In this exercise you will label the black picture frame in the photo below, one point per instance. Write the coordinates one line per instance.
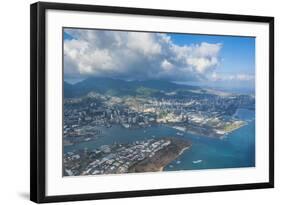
(38, 100)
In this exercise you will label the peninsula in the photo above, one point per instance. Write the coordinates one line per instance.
(162, 157)
(140, 156)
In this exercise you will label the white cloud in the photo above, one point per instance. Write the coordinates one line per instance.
(207, 49)
(166, 65)
(137, 55)
(89, 60)
(145, 43)
(231, 77)
(245, 77)
(202, 64)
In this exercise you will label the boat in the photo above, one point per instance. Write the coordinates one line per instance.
(197, 161)
(179, 133)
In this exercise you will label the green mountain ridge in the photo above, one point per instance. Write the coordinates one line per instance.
(117, 87)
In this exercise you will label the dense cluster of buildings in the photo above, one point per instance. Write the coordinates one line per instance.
(83, 116)
(112, 159)
(210, 115)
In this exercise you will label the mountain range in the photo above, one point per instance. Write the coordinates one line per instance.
(119, 87)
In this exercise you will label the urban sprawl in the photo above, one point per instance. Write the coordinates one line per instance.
(204, 113)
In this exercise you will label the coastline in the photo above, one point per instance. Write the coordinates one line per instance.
(163, 157)
(213, 133)
(181, 152)
(198, 147)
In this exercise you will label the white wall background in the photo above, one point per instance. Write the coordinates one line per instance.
(14, 100)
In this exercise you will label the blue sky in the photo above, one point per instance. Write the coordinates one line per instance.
(238, 53)
(226, 61)
(66, 36)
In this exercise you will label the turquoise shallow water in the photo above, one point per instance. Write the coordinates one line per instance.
(237, 149)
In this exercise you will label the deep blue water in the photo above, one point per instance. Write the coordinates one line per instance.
(237, 149)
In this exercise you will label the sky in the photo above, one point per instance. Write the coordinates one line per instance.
(210, 60)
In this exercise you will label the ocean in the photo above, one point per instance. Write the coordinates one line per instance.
(235, 150)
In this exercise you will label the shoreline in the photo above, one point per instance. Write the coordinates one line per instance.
(181, 152)
(213, 135)
(162, 158)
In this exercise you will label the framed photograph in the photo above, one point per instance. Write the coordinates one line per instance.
(129, 102)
